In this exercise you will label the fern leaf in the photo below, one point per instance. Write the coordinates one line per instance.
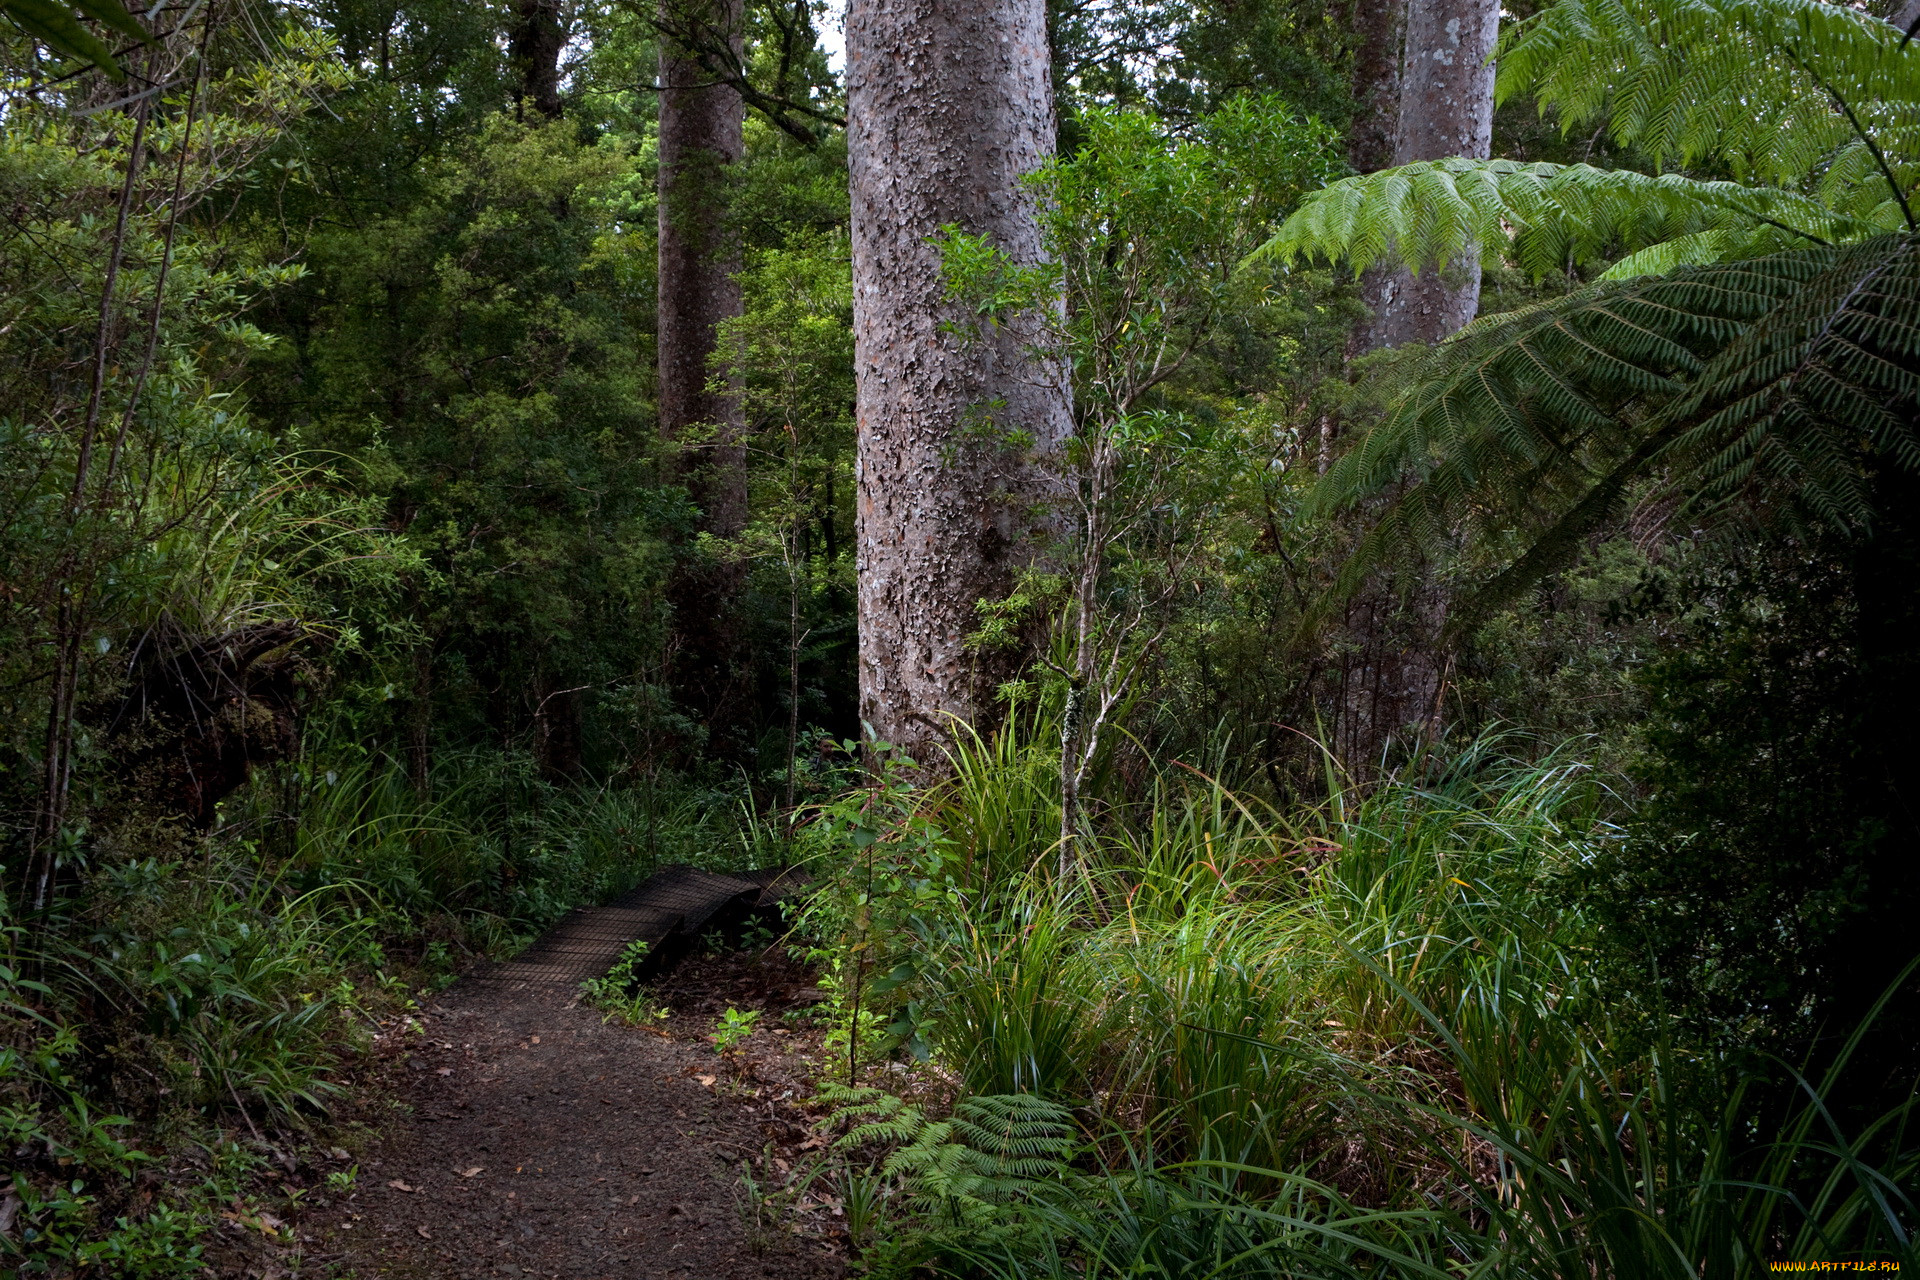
(1549, 217)
(1764, 87)
(1788, 379)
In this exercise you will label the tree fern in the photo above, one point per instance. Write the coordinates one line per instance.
(1549, 217)
(1756, 338)
(1790, 93)
(1814, 109)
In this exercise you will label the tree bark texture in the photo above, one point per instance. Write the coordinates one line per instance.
(1446, 109)
(1390, 674)
(701, 125)
(700, 139)
(950, 106)
(533, 50)
(1380, 26)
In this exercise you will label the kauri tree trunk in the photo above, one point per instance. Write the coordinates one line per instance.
(1392, 671)
(950, 105)
(1446, 109)
(1380, 26)
(700, 139)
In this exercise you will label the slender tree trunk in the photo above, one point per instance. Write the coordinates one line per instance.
(700, 140)
(950, 106)
(420, 722)
(1446, 109)
(557, 730)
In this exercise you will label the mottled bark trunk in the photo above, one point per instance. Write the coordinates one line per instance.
(533, 50)
(1446, 109)
(557, 729)
(420, 722)
(700, 139)
(1380, 26)
(950, 105)
(1392, 675)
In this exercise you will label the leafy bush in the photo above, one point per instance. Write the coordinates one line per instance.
(1773, 867)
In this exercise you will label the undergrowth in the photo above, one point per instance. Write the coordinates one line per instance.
(177, 1022)
(1364, 1037)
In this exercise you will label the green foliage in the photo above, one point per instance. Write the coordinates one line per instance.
(968, 1175)
(1552, 218)
(617, 994)
(1782, 379)
(1806, 105)
(1365, 1040)
(1762, 886)
(58, 27)
(733, 1029)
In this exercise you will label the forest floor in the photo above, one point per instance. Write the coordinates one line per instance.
(528, 1135)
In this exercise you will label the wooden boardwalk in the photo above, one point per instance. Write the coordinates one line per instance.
(668, 912)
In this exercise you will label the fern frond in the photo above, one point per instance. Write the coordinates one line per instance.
(1548, 217)
(965, 1171)
(1805, 400)
(1789, 379)
(1026, 1136)
(884, 1118)
(1776, 90)
(1542, 418)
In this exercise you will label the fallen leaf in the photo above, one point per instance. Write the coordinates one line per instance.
(444, 1071)
(477, 1169)
(424, 1233)
(535, 1040)
(398, 1185)
(815, 1141)
(706, 1080)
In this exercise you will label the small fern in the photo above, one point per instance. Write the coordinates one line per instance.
(971, 1171)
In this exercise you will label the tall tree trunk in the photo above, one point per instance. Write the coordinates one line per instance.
(1392, 672)
(533, 50)
(700, 140)
(950, 105)
(1381, 25)
(1446, 109)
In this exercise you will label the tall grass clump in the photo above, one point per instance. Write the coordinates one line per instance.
(1271, 1022)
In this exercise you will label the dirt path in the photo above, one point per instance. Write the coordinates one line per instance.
(546, 1142)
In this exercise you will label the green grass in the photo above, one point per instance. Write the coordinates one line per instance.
(1352, 1038)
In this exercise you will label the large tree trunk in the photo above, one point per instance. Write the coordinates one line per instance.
(1391, 672)
(1446, 109)
(533, 49)
(1380, 25)
(950, 105)
(700, 140)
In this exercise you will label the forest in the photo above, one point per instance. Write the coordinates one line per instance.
(1309, 604)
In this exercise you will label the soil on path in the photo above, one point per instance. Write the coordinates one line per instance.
(544, 1141)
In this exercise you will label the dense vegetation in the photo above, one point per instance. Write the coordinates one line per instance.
(360, 614)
